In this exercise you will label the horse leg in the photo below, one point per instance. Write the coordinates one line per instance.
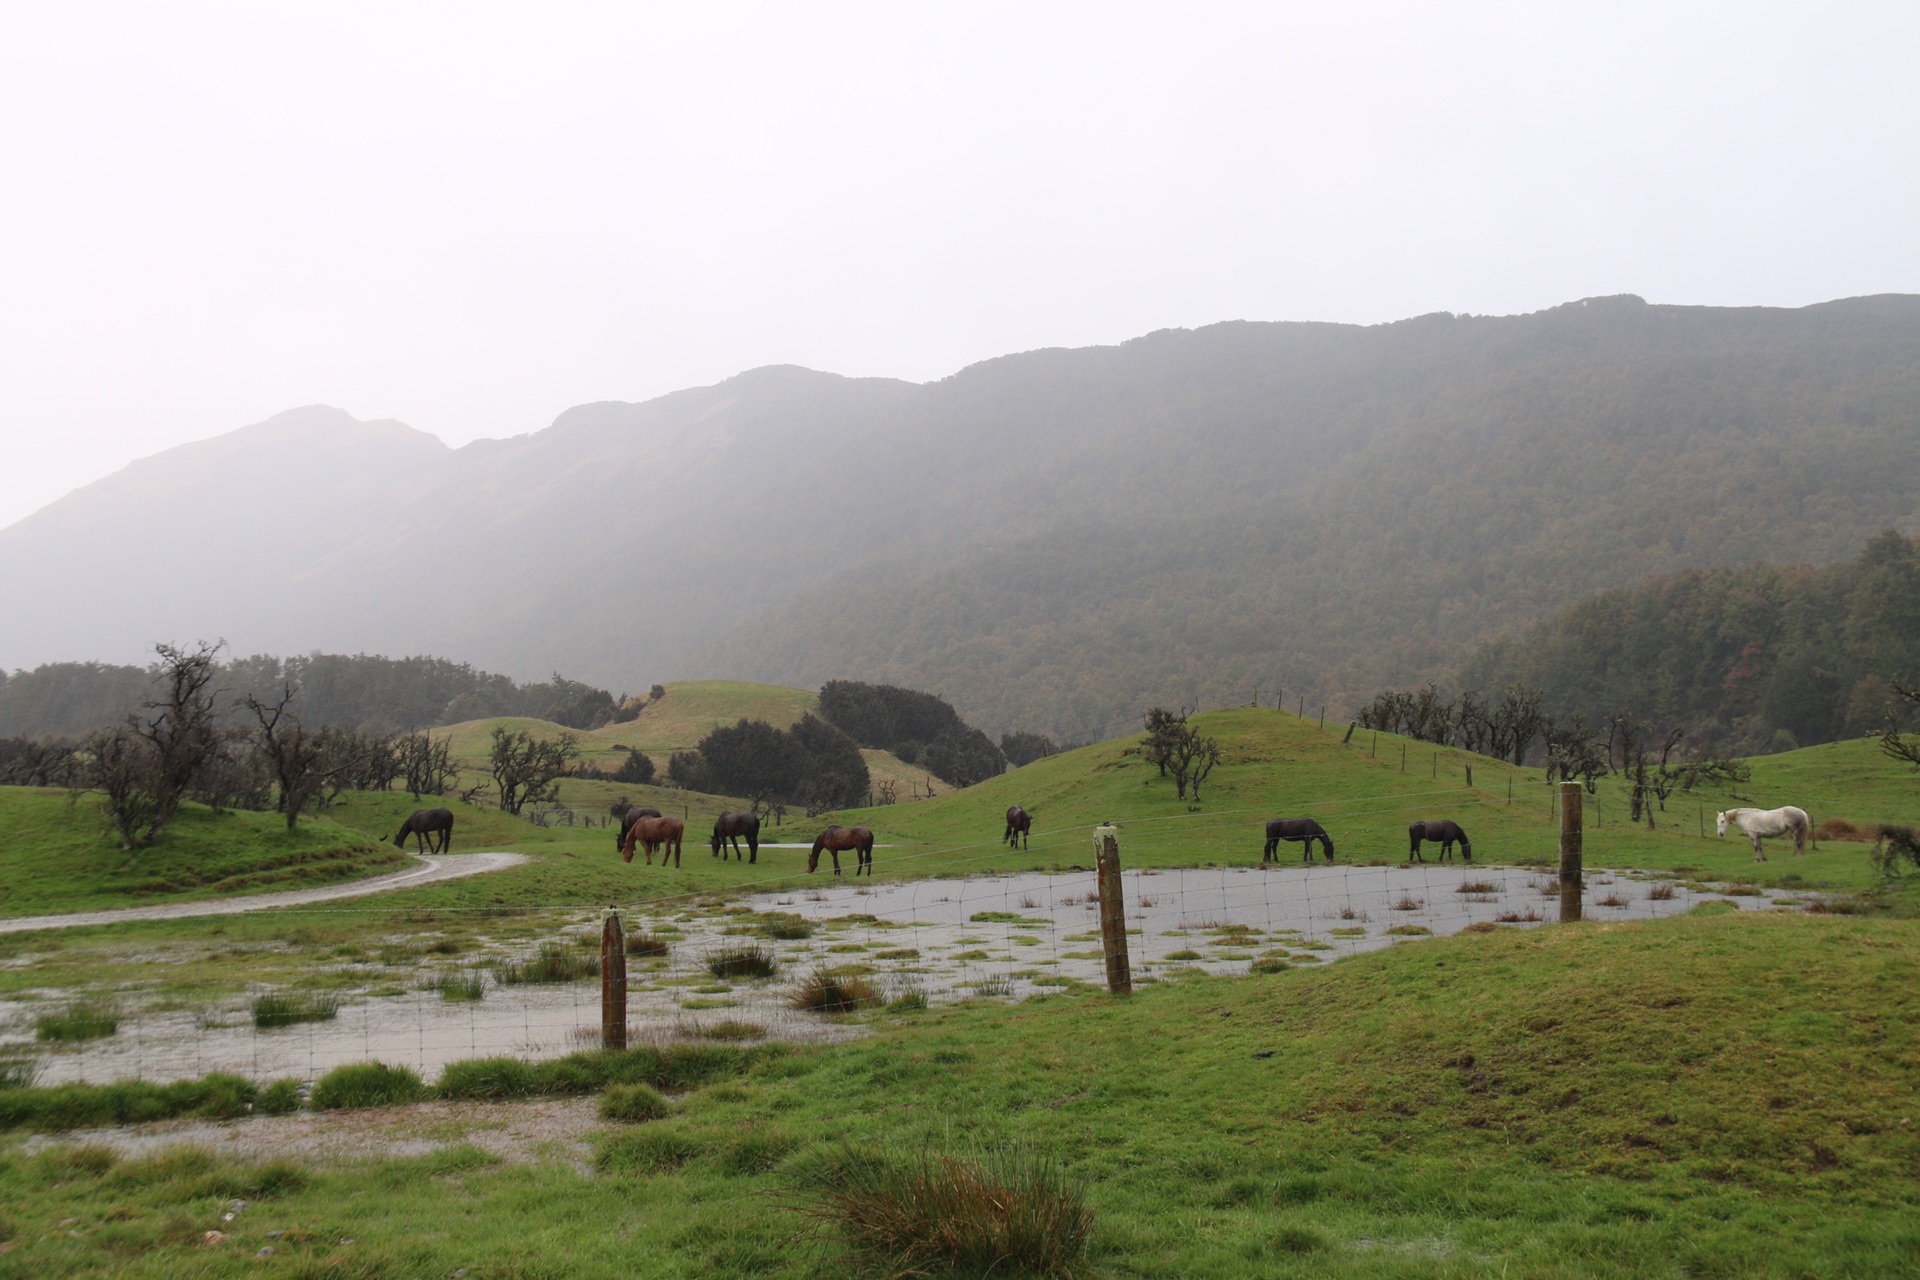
(836, 860)
(753, 849)
(1759, 854)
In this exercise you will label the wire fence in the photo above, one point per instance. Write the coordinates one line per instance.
(424, 987)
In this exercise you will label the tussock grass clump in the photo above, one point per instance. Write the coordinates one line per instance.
(79, 1020)
(18, 1075)
(1662, 892)
(279, 1010)
(675, 1066)
(1612, 900)
(366, 1084)
(1529, 916)
(1407, 902)
(218, 1096)
(489, 1078)
(1268, 964)
(1409, 930)
(1477, 886)
(1482, 926)
(1841, 829)
(280, 1098)
(555, 962)
(753, 961)
(642, 943)
(784, 926)
(632, 1103)
(912, 999)
(823, 992)
(1008, 1212)
(462, 986)
(647, 1150)
(1184, 953)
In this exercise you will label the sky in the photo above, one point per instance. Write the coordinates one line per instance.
(471, 216)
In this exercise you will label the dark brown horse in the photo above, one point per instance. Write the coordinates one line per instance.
(630, 816)
(1019, 824)
(837, 840)
(651, 832)
(729, 827)
(1447, 832)
(1304, 830)
(431, 829)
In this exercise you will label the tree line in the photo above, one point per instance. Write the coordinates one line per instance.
(922, 729)
(362, 691)
(1760, 658)
(192, 739)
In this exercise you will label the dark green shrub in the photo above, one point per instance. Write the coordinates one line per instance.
(366, 1084)
(632, 1103)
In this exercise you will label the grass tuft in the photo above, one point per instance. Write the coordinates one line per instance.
(1660, 893)
(632, 1103)
(642, 943)
(1477, 886)
(80, 1020)
(784, 926)
(461, 986)
(822, 992)
(752, 961)
(278, 1010)
(1009, 1212)
(553, 963)
(366, 1084)
(18, 1074)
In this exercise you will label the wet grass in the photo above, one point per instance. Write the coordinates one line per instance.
(284, 1010)
(78, 1020)
(826, 992)
(554, 962)
(753, 961)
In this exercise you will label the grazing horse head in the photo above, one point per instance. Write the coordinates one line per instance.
(1720, 821)
(813, 858)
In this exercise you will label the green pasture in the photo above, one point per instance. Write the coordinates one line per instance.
(676, 722)
(57, 854)
(1721, 1094)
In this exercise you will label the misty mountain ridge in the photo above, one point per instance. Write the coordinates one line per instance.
(1051, 540)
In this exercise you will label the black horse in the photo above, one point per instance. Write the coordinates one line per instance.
(431, 829)
(1304, 830)
(1019, 826)
(1447, 832)
(630, 817)
(729, 827)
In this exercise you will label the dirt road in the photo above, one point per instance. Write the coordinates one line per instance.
(431, 869)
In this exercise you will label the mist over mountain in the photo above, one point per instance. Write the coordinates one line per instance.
(1050, 540)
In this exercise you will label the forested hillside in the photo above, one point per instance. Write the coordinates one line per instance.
(1756, 658)
(1051, 541)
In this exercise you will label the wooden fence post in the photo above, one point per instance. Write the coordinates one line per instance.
(1571, 880)
(613, 982)
(1113, 909)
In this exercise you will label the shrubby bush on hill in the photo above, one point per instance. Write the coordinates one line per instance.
(812, 764)
(920, 728)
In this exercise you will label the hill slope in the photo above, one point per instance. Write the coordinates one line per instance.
(1050, 540)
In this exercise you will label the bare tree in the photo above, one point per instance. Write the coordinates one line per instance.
(180, 725)
(427, 764)
(1191, 760)
(1573, 752)
(304, 765)
(1902, 746)
(526, 769)
(119, 764)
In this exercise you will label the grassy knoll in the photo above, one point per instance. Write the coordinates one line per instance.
(1854, 780)
(60, 857)
(1715, 1095)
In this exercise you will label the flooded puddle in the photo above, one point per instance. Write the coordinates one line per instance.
(1005, 937)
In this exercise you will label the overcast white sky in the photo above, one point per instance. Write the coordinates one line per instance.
(471, 216)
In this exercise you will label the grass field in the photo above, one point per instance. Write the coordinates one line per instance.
(1719, 1094)
(59, 856)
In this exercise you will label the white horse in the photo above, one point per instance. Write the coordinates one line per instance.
(1756, 824)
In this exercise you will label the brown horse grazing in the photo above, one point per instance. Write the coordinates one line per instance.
(631, 816)
(431, 829)
(729, 827)
(836, 840)
(1447, 832)
(1305, 830)
(649, 832)
(1019, 825)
